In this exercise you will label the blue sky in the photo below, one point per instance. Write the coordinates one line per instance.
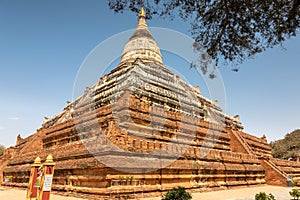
(43, 44)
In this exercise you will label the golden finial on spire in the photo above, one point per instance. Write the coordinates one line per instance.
(142, 20)
(142, 13)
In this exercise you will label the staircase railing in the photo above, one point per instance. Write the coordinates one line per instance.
(274, 166)
(243, 142)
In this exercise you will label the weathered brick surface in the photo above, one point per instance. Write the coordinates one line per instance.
(79, 142)
(77, 170)
(288, 167)
(259, 146)
(273, 176)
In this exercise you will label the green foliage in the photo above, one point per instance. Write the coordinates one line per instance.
(295, 193)
(129, 178)
(177, 194)
(2, 148)
(229, 30)
(264, 196)
(287, 147)
(295, 182)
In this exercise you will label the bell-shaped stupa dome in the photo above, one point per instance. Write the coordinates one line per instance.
(141, 44)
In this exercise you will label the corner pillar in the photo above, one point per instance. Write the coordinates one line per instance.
(46, 181)
(31, 190)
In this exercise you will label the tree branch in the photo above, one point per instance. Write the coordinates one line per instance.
(224, 24)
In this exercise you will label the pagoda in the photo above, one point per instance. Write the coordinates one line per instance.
(141, 130)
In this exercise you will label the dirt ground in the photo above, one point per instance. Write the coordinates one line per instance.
(280, 193)
(17, 194)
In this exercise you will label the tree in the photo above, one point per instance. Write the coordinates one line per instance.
(230, 30)
(288, 147)
(2, 148)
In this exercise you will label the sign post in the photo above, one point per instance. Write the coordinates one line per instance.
(46, 181)
(32, 191)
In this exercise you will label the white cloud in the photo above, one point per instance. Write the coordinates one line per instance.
(1, 128)
(14, 118)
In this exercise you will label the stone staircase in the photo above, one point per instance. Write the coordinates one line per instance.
(239, 144)
(274, 175)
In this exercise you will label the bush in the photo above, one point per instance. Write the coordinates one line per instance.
(295, 193)
(295, 182)
(264, 196)
(177, 194)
